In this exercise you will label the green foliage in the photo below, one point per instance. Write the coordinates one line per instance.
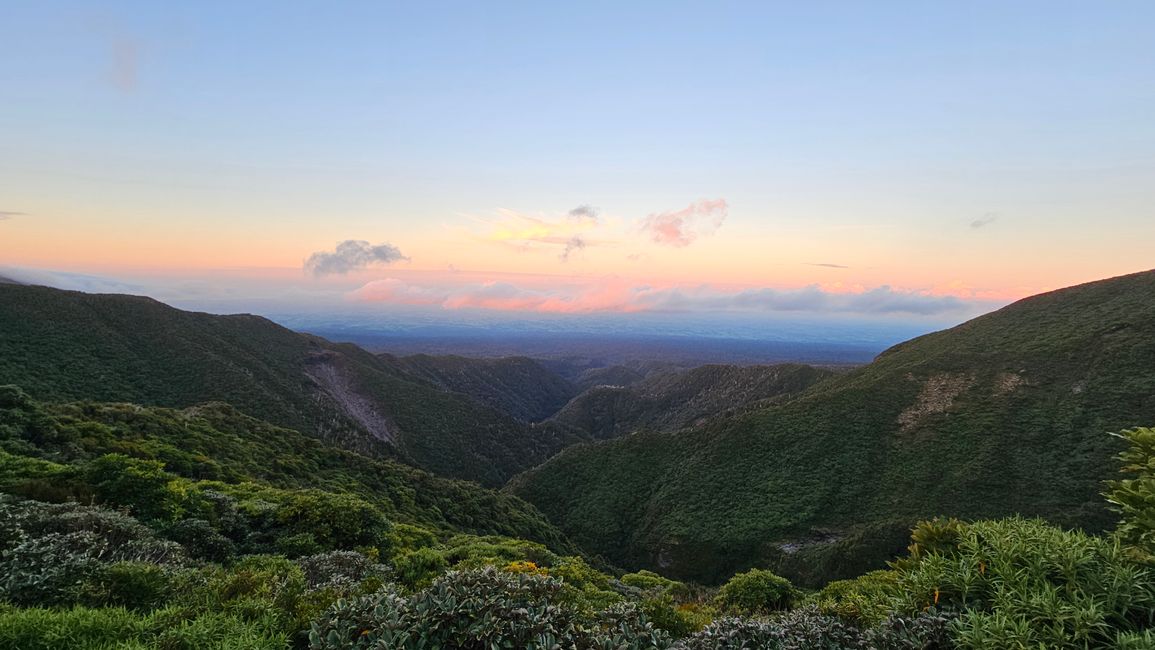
(132, 585)
(866, 600)
(418, 568)
(63, 345)
(677, 619)
(1134, 497)
(60, 554)
(797, 629)
(82, 628)
(57, 452)
(648, 581)
(480, 609)
(1022, 583)
(141, 485)
(1000, 415)
(756, 591)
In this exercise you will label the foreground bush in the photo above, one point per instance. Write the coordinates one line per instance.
(480, 609)
(756, 592)
(81, 628)
(1023, 583)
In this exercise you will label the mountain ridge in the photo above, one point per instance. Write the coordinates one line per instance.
(1004, 414)
(64, 345)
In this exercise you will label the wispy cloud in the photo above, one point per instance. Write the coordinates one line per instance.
(828, 265)
(621, 297)
(986, 220)
(351, 255)
(567, 234)
(682, 227)
(7, 214)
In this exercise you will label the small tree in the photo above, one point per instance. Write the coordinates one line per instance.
(757, 591)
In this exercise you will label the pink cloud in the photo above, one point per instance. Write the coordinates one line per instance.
(613, 295)
(681, 227)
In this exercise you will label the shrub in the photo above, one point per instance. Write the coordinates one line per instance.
(1023, 583)
(201, 540)
(420, 567)
(340, 570)
(79, 628)
(800, 629)
(479, 609)
(1134, 497)
(678, 620)
(648, 581)
(141, 485)
(132, 585)
(866, 600)
(217, 630)
(756, 591)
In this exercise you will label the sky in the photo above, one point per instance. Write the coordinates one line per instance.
(906, 162)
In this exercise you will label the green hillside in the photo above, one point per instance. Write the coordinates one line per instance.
(674, 400)
(216, 443)
(65, 345)
(517, 386)
(1004, 414)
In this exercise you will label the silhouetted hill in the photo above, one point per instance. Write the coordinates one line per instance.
(1006, 413)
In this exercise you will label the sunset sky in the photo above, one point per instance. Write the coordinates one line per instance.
(905, 160)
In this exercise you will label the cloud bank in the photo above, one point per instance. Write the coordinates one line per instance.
(615, 296)
(351, 255)
(682, 227)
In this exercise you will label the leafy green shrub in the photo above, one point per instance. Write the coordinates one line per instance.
(866, 600)
(141, 485)
(341, 570)
(648, 581)
(201, 540)
(480, 609)
(79, 628)
(469, 551)
(1134, 498)
(755, 591)
(418, 568)
(928, 630)
(406, 537)
(1023, 583)
(174, 631)
(798, 629)
(297, 545)
(53, 551)
(678, 620)
(132, 585)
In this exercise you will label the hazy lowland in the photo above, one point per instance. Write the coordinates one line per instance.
(184, 480)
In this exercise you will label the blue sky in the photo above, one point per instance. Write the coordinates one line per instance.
(986, 150)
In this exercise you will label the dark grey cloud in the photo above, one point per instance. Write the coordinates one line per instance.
(352, 255)
(987, 219)
(7, 214)
(574, 243)
(584, 212)
(828, 265)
